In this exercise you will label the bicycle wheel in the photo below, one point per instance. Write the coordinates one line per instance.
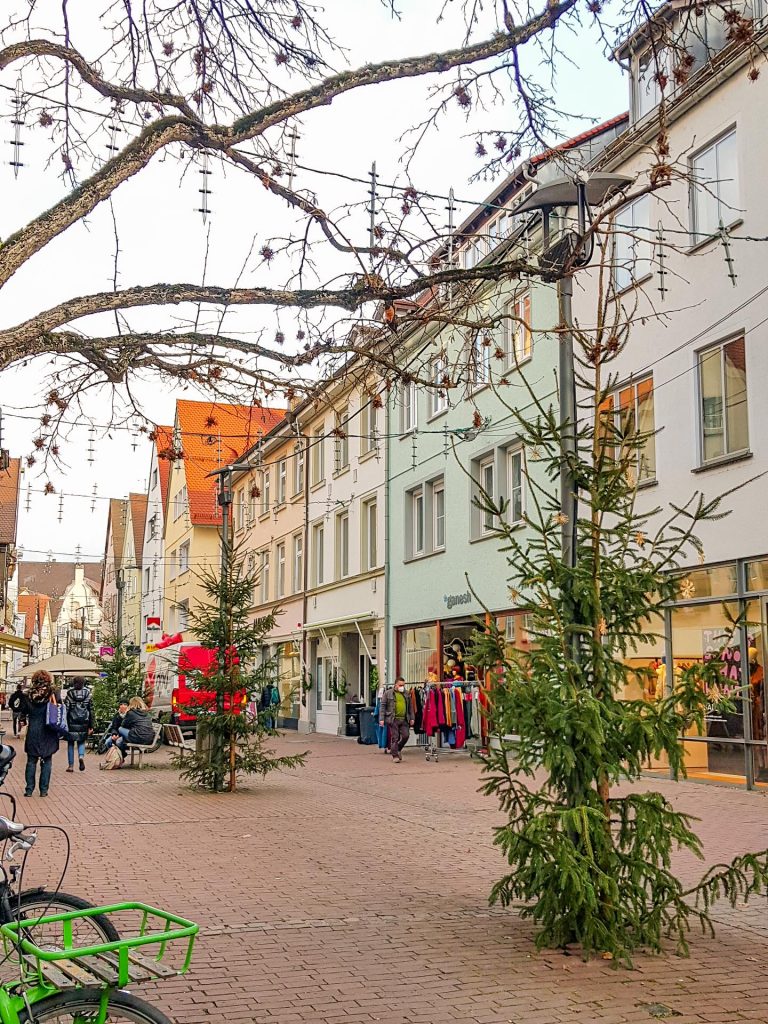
(86, 931)
(82, 1005)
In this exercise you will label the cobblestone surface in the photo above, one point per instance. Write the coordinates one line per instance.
(354, 890)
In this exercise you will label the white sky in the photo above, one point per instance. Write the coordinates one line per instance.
(162, 239)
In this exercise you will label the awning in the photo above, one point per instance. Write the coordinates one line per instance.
(345, 620)
(16, 643)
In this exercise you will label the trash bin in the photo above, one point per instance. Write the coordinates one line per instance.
(367, 726)
(352, 717)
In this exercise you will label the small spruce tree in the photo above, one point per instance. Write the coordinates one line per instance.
(590, 864)
(231, 736)
(123, 678)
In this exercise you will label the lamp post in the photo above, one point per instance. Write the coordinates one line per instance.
(559, 261)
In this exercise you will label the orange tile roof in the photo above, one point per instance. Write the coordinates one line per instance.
(163, 439)
(139, 521)
(32, 607)
(212, 436)
(9, 501)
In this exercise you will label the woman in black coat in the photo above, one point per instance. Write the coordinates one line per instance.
(79, 705)
(41, 742)
(137, 726)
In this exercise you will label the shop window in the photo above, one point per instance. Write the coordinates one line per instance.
(713, 581)
(518, 342)
(757, 574)
(630, 411)
(417, 657)
(714, 188)
(632, 244)
(723, 409)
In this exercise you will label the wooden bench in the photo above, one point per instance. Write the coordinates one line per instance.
(144, 748)
(175, 738)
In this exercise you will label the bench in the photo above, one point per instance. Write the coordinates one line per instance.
(175, 738)
(144, 748)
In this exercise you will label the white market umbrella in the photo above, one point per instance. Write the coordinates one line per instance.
(62, 665)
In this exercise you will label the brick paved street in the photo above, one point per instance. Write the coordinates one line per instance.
(356, 891)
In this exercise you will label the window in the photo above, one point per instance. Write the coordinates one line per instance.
(253, 493)
(298, 563)
(341, 441)
(438, 514)
(147, 580)
(154, 479)
(282, 481)
(518, 343)
(318, 456)
(480, 358)
(438, 395)
(298, 469)
(342, 545)
(265, 581)
(714, 188)
(318, 554)
(280, 570)
(647, 93)
(417, 521)
(172, 565)
(515, 475)
(184, 557)
(240, 508)
(370, 534)
(182, 615)
(486, 491)
(152, 527)
(180, 502)
(368, 442)
(631, 409)
(723, 387)
(266, 491)
(408, 408)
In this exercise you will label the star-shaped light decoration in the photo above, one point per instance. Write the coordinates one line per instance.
(602, 627)
(514, 594)
(561, 518)
(702, 558)
(687, 589)
(640, 539)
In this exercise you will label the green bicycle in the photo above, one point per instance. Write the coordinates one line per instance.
(78, 981)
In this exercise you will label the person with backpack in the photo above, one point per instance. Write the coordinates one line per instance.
(79, 705)
(41, 742)
(17, 699)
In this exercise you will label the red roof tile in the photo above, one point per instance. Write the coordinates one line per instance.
(9, 502)
(32, 607)
(163, 440)
(139, 521)
(212, 436)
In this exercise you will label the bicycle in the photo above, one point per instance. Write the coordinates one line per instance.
(85, 984)
(35, 902)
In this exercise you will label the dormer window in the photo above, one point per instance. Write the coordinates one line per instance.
(649, 67)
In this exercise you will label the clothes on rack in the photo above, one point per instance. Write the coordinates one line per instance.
(452, 711)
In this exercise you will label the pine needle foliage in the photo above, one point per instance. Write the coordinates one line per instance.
(123, 678)
(590, 865)
(231, 741)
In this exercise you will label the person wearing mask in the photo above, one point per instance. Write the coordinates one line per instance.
(41, 742)
(79, 705)
(136, 728)
(395, 714)
(117, 721)
(15, 704)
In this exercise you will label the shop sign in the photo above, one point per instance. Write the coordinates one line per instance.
(451, 600)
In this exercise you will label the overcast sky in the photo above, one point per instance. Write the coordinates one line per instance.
(163, 239)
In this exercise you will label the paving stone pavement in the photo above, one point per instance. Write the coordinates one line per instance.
(355, 890)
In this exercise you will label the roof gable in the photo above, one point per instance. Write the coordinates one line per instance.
(9, 501)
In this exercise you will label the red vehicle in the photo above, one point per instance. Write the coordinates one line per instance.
(193, 658)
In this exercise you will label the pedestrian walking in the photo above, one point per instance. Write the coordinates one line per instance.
(79, 705)
(15, 704)
(395, 714)
(41, 742)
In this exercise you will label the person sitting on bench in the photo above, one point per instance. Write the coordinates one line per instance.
(137, 729)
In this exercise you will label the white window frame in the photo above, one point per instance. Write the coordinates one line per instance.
(282, 481)
(280, 560)
(298, 469)
(438, 520)
(515, 467)
(318, 554)
(480, 358)
(298, 563)
(418, 522)
(438, 394)
(240, 507)
(518, 339)
(184, 550)
(631, 237)
(172, 564)
(370, 526)
(408, 408)
(266, 491)
(487, 519)
(728, 212)
(728, 452)
(341, 444)
(342, 546)
(264, 580)
(318, 456)
(368, 417)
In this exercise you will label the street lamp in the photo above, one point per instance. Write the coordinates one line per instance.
(558, 262)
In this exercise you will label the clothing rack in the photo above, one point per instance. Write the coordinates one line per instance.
(440, 715)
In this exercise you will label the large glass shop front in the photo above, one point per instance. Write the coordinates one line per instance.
(721, 612)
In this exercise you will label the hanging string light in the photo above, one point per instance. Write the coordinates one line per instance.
(17, 120)
(93, 499)
(91, 444)
(205, 172)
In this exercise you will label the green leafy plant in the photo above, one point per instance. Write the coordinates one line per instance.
(589, 864)
(231, 735)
